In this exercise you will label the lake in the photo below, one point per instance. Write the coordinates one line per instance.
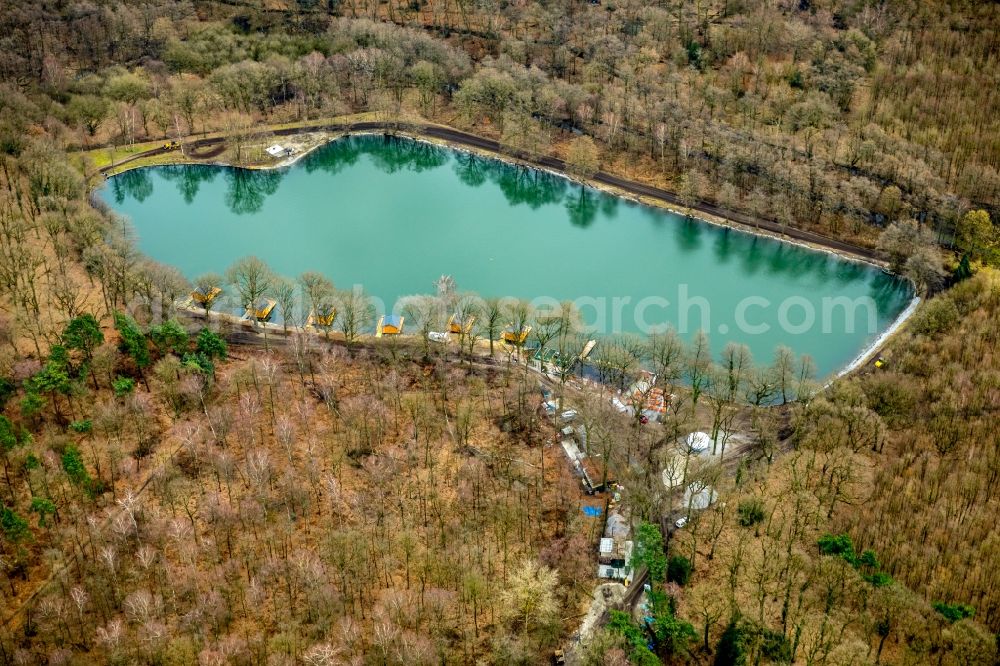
(393, 214)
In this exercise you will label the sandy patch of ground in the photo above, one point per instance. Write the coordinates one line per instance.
(606, 596)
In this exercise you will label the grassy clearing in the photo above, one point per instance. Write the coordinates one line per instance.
(174, 157)
(105, 156)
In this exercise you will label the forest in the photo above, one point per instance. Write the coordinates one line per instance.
(180, 489)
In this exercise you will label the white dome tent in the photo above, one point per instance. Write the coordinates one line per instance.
(673, 476)
(699, 442)
(699, 496)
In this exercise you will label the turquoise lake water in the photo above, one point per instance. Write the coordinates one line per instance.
(393, 214)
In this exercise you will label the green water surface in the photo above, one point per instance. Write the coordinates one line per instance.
(394, 214)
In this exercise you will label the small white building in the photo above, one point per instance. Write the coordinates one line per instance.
(614, 564)
(277, 150)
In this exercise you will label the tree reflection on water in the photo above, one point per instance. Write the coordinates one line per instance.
(248, 188)
(189, 178)
(135, 184)
(582, 207)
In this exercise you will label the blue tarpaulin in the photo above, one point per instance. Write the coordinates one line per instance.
(592, 511)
